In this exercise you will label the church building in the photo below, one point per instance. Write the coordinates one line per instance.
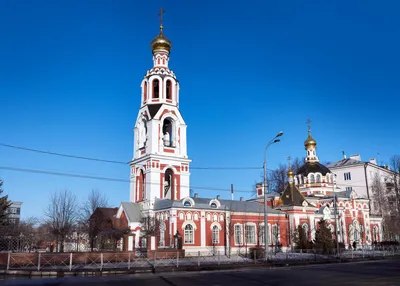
(160, 181)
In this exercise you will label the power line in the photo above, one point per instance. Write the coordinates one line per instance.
(109, 179)
(62, 154)
(114, 161)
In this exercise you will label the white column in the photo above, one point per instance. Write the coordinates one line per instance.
(203, 228)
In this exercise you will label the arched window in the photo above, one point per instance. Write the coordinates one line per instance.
(318, 178)
(167, 133)
(196, 216)
(169, 185)
(162, 234)
(181, 216)
(142, 189)
(215, 217)
(375, 233)
(188, 216)
(156, 88)
(187, 204)
(169, 89)
(189, 239)
(275, 235)
(213, 205)
(215, 234)
(145, 91)
(305, 229)
(312, 179)
(208, 217)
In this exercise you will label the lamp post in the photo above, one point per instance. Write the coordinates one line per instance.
(274, 140)
(336, 212)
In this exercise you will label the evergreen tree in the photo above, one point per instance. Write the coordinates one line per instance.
(323, 237)
(4, 205)
(300, 238)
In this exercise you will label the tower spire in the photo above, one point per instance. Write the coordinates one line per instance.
(162, 11)
(309, 126)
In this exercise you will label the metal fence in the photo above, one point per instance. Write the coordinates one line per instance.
(92, 261)
(19, 243)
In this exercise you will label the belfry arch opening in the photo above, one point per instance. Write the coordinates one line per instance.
(141, 186)
(168, 89)
(145, 91)
(156, 88)
(169, 184)
(168, 132)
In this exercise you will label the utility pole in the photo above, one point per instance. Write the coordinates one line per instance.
(275, 140)
(232, 191)
(336, 222)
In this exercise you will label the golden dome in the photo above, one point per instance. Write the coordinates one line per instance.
(310, 141)
(290, 173)
(161, 42)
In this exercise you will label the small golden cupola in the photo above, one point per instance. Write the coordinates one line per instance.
(161, 42)
(310, 145)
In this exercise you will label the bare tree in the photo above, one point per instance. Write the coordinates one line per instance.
(150, 226)
(61, 215)
(277, 179)
(379, 195)
(87, 222)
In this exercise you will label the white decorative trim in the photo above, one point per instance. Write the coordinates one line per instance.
(189, 222)
(188, 199)
(215, 224)
(216, 202)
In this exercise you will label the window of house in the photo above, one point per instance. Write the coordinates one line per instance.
(162, 235)
(349, 189)
(347, 176)
(238, 234)
(215, 217)
(188, 216)
(213, 205)
(189, 239)
(275, 234)
(312, 179)
(318, 178)
(208, 217)
(262, 234)
(215, 234)
(250, 231)
(196, 216)
(305, 229)
(187, 204)
(181, 216)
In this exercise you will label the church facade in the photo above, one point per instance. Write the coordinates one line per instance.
(160, 180)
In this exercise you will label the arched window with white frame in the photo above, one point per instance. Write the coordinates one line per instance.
(275, 235)
(189, 234)
(162, 234)
(215, 234)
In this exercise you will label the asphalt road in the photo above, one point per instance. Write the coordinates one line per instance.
(377, 273)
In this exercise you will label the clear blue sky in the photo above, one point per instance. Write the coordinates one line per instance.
(70, 74)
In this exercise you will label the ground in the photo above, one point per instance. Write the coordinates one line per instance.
(377, 273)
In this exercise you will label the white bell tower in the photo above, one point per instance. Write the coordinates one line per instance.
(160, 165)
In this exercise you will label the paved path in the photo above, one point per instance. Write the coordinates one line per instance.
(377, 273)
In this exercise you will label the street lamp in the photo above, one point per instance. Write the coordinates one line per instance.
(274, 140)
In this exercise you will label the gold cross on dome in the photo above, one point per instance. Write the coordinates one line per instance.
(309, 124)
(288, 159)
(162, 11)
